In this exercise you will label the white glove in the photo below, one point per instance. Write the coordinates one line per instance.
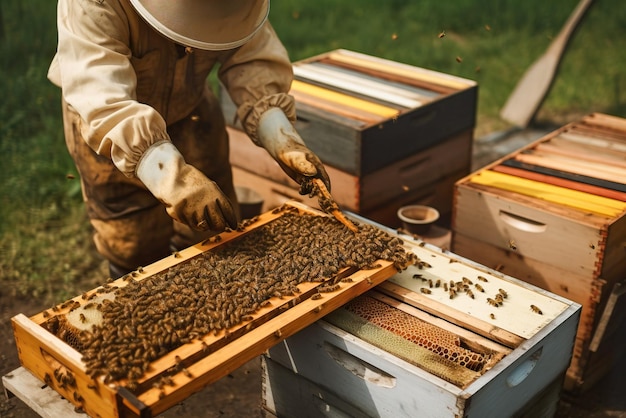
(188, 195)
(280, 139)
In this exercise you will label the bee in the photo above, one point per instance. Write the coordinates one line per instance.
(438, 283)
(469, 293)
(176, 254)
(442, 34)
(492, 302)
(536, 309)
(331, 288)
(187, 373)
(82, 317)
(499, 299)
(503, 293)
(417, 276)
(479, 288)
(425, 290)
(467, 281)
(492, 316)
(459, 59)
(452, 293)
(316, 296)
(445, 287)
(430, 283)
(512, 245)
(46, 314)
(482, 279)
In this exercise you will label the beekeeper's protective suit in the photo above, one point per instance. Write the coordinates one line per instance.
(147, 135)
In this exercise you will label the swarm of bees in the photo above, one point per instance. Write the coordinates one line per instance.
(221, 288)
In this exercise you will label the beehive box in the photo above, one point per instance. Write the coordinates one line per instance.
(407, 349)
(360, 113)
(426, 178)
(552, 214)
(189, 319)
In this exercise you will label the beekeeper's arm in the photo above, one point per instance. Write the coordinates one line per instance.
(258, 77)
(93, 68)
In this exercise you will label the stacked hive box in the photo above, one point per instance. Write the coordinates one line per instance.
(552, 214)
(389, 134)
(410, 349)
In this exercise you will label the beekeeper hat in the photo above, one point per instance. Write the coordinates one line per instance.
(214, 25)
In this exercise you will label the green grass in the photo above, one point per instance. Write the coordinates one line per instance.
(45, 244)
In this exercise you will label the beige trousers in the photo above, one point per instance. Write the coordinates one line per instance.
(132, 228)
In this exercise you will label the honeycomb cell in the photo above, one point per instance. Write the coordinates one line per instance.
(441, 342)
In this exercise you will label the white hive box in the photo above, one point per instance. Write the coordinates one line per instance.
(332, 368)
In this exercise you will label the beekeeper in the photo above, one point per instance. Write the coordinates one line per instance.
(148, 136)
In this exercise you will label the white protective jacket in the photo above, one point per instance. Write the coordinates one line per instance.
(128, 82)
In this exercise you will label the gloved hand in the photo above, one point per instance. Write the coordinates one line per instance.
(188, 195)
(280, 139)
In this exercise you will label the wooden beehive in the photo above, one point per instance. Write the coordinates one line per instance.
(390, 134)
(360, 113)
(380, 366)
(191, 365)
(552, 214)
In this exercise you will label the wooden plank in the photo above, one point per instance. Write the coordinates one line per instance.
(452, 315)
(560, 195)
(371, 89)
(567, 175)
(560, 149)
(603, 120)
(398, 69)
(586, 145)
(339, 109)
(408, 90)
(535, 175)
(604, 171)
(344, 99)
(39, 397)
